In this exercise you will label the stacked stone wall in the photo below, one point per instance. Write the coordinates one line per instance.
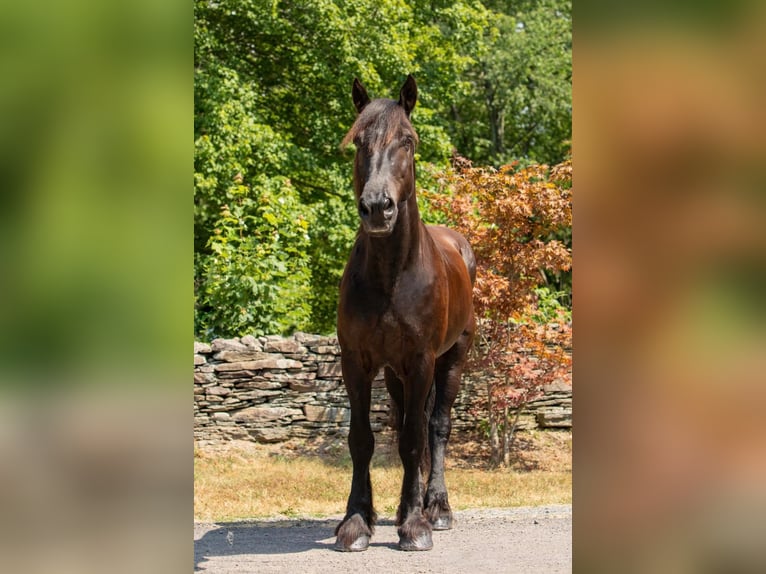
(271, 389)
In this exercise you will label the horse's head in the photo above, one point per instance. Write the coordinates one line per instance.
(384, 167)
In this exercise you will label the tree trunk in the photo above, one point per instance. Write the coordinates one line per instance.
(494, 446)
(506, 437)
(513, 427)
(497, 130)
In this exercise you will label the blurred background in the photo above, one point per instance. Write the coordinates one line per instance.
(669, 245)
(95, 287)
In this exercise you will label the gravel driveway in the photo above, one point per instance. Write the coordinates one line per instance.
(524, 540)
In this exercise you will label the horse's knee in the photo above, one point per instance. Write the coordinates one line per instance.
(409, 452)
(361, 438)
(440, 426)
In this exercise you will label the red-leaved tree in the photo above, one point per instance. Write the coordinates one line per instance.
(518, 222)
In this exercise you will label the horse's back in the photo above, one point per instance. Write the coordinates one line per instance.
(450, 240)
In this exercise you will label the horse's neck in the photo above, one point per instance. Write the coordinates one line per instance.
(388, 256)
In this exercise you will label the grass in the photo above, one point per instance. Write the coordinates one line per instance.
(311, 479)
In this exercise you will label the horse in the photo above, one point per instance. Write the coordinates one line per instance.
(405, 305)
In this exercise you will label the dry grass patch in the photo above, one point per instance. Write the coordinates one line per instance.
(312, 479)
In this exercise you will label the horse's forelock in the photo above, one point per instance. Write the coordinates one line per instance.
(380, 122)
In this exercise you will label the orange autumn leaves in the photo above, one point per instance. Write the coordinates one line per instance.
(516, 222)
(519, 223)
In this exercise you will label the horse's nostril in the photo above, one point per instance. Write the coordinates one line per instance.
(364, 210)
(388, 204)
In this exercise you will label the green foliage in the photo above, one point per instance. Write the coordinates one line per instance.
(274, 216)
(520, 104)
(548, 306)
(257, 278)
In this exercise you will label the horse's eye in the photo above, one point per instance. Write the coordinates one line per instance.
(407, 143)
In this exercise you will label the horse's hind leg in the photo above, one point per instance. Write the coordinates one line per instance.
(354, 532)
(449, 369)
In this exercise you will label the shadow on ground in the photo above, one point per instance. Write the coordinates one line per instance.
(268, 537)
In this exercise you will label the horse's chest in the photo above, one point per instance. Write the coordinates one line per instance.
(398, 325)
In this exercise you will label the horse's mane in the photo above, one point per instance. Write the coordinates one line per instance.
(380, 122)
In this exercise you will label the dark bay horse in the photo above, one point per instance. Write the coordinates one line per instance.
(405, 306)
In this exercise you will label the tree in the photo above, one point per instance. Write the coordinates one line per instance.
(514, 219)
(520, 104)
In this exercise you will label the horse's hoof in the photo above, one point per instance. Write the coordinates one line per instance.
(358, 545)
(353, 534)
(422, 542)
(442, 523)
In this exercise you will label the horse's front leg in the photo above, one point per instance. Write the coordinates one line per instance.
(356, 528)
(414, 529)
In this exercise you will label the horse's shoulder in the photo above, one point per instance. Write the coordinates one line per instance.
(446, 237)
(453, 246)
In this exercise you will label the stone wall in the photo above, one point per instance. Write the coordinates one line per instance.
(271, 389)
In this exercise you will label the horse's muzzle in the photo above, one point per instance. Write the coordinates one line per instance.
(378, 214)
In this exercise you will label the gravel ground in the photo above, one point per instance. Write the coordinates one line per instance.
(524, 540)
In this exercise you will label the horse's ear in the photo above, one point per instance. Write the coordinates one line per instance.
(408, 95)
(359, 94)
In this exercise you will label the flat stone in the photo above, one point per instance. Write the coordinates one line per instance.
(251, 342)
(234, 433)
(260, 384)
(221, 391)
(217, 345)
(319, 341)
(550, 402)
(221, 407)
(303, 376)
(221, 416)
(202, 378)
(327, 350)
(278, 376)
(257, 394)
(284, 346)
(246, 355)
(259, 365)
(199, 360)
(317, 385)
(327, 414)
(554, 418)
(270, 435)
(307, 338)
(262, 414)
(300, 399)
(329, 371)
(235, 376)
(203, 348)
(557, 386)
